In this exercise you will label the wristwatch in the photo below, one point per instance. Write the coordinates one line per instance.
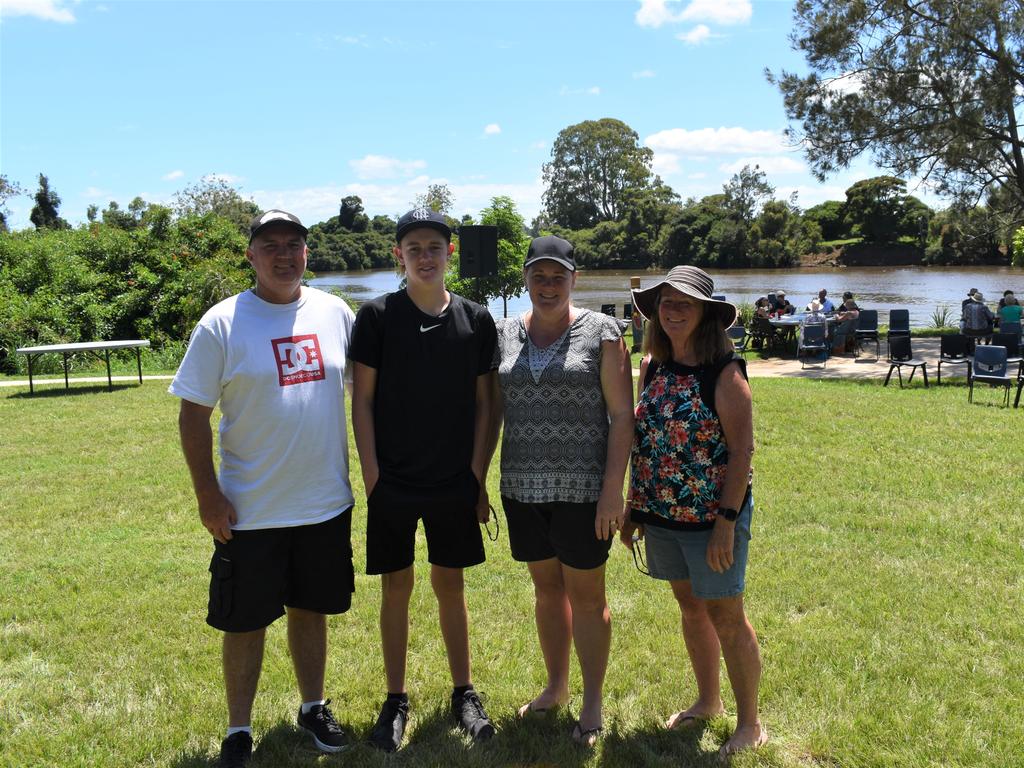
(728, 513)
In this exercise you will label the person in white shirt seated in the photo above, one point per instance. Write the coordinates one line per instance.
(825, 303)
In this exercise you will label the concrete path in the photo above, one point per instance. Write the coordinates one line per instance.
(82, 380)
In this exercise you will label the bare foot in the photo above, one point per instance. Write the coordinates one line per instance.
(695, 715)
(747, 737)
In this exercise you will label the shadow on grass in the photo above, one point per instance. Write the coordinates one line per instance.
(657, 746)
(58, 391)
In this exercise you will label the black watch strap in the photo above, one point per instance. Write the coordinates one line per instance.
(728, 513)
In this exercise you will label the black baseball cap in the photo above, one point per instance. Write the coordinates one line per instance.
(422, 217)
(273, 216)
(553, 248)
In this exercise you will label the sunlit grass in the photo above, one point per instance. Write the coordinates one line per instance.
(885, 583)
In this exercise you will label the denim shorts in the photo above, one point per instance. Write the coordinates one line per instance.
(682, 556)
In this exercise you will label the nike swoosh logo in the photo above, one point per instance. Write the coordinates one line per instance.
(429, 328)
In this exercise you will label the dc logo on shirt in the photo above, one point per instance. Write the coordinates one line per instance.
(298, 359)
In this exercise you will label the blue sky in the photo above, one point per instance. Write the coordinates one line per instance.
(299, 104)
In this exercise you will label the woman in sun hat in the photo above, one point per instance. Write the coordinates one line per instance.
(689, 493)
(566, 387)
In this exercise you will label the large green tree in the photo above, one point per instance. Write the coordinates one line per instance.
(45, 213)
(881, 211)
(213, 195)
(930, 88)
(593, 165)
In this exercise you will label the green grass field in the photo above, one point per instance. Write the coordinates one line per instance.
(885, 582)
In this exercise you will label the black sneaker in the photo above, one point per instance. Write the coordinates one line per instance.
(468, 711)
(389, 729)
(321, 725)
(235, 750)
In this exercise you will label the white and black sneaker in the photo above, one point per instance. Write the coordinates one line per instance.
(319, 723)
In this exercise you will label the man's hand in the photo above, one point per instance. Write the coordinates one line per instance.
(719, 552)
(217, 515)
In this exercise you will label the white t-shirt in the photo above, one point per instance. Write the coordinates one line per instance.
(278, 372)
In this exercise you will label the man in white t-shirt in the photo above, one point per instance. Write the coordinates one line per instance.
(280, 512)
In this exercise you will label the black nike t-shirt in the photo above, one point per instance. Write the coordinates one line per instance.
(427, 367)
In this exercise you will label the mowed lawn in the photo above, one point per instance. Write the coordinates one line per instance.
(885, 582)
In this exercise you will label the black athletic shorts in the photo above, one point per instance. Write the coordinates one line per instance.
(393, 511)
(257, 573)
(555, 529)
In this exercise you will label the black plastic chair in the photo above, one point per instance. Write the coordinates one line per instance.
(813, 339)
(608, 309)
(1012, 344)
(867, 329)
(762, 330)
(900, 355)
(740, 338)
(952, 351)
(899, 324)
(990, 368)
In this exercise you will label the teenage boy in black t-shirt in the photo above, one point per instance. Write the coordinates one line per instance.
(422, 413)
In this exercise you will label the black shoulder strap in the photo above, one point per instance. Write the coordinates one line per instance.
(709, 377)
(652, 369)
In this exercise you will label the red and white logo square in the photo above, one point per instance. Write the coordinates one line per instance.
(298, 359)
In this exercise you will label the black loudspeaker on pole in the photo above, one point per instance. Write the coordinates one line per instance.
(478, 251)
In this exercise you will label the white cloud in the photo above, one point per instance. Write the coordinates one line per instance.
(724, 12)
(848, 82)
(697, 176)
(492, 129)
(643, 74)
(655, 13)
(591, 91)
(95, 193)
(717, 141)
(47, 10)
(173, 175)
(770, 165)
(381, 167)
(695, 36)
(665, 163)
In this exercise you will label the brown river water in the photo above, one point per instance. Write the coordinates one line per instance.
(918, 289)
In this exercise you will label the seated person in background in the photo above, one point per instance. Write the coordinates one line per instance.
(1010, 311)
(773, 301)
(978, 319)
(826, 303)
(782, 305)
(813, 317)
(846, 332)
(762, 308)
(1003, 301)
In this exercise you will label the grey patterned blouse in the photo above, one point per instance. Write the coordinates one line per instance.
(555, 438)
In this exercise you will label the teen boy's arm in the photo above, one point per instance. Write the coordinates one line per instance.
(364, 384)
(485, 436)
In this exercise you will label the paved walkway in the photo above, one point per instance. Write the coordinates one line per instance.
(840, 367)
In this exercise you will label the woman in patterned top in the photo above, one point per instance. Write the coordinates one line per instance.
(689, 492)
(568, 411)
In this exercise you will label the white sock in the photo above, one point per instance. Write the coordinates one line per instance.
(308, 705)
(239, 729)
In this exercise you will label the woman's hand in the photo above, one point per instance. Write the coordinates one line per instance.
(719, 553)
(610, 514)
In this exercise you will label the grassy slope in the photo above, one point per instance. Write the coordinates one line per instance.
(885, 583)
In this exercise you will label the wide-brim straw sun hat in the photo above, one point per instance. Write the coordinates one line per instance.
(692, 281)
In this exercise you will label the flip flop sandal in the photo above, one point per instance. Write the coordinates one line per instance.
(586, 738)
(529, 710)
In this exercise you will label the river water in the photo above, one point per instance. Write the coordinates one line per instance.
(917, 289)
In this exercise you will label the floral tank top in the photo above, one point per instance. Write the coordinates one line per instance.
(679, 457)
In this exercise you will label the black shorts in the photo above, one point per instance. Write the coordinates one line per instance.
(449, 521)
(257, 573)
(555, 529)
